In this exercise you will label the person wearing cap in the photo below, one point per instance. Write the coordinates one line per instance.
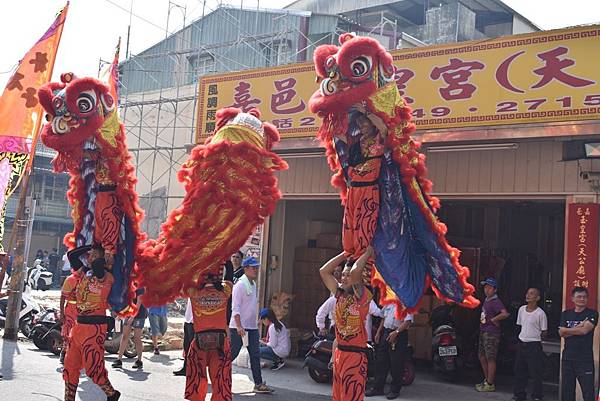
(277, 344)
(243, 326)
(492, 312)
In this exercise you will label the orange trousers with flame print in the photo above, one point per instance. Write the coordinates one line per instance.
(349, 376)
(86, 350)
(219, 370)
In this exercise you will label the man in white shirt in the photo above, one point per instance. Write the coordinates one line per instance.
(391, 340)
(188, 336)
(530, 357)
(324, 311)
(244, 323)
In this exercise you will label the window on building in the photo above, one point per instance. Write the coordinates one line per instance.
(200, 65)
(278, 52)
(55, 187)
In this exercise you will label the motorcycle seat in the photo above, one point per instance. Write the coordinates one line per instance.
(443, 329)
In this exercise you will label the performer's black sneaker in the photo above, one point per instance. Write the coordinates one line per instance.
(180, 372)
(138, 364)
(117, 364)
(393, 394)
(115, 397)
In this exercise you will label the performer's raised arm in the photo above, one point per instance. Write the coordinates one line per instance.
(327, 272)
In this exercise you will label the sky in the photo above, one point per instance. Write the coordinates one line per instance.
(94, 26)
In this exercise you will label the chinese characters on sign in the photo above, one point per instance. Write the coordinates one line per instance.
(582, 248)
(537, 77)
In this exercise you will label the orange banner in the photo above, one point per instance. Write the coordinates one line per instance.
(20, 112)
(536, 77)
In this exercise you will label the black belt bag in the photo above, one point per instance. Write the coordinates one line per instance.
(211, 340)
(350, 348)
(97, 319)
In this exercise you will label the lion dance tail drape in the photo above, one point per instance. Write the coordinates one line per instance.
(383, 176)
(230, 188)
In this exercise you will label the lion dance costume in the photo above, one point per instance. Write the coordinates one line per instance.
(230, 188)
(381, 177)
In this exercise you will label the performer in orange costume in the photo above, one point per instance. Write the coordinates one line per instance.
(210, 347)
(68, 298)
(351, 309)
(87, 336)
(362, 205)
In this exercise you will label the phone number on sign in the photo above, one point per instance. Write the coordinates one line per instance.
(564, 102)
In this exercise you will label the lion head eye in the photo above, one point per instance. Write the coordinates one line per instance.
(86, 102)
(361, 66)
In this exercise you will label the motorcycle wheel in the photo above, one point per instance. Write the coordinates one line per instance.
(26, 326)
(54, 340)
(36, 336)
(130, 351)
(319, 376)
(409, 373)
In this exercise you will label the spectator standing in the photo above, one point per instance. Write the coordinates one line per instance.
(492, 312)
(243, 326)
(391, 341)
(66, 268)
(577, 328)
(188, 336)
(157, 316)
(137, 325)
(530, 356)
(277, 344)
(53, 259)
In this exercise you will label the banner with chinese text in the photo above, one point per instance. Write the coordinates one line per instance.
(582, 250)
(538, 77)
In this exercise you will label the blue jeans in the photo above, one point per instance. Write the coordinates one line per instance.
(253, 351)
(267, 352)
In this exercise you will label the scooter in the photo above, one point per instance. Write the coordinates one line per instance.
(46, 335)
(113, 340)
(320, 370)
(38, 277)
(29, 308)
(447, 358)
(46, 331)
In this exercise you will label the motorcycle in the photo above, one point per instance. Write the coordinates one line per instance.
(46, 335)
(321, 371)
(447, 356)
(29, 308)
(38, 277)
(46, 332)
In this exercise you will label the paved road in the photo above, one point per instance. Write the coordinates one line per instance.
(31, 375)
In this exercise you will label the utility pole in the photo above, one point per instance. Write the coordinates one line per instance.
(20, 228)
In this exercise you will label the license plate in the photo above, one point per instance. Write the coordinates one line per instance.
(448, 351)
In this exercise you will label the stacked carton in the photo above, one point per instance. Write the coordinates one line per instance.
(419, 334)
(324, 240)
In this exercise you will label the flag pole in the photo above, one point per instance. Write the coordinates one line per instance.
(19, 229)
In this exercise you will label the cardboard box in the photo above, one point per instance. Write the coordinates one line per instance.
(421, 319)
(424, 305)
(315, 255)
(436, 302)
(317, 227)
(331, 241)
(422, 342)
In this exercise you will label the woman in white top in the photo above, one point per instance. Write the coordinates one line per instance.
(276, 345)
